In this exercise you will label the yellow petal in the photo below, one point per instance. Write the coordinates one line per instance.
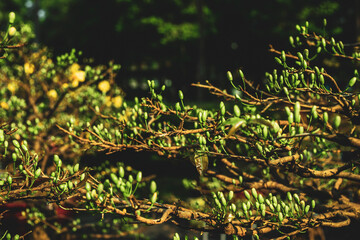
(79, 76)
(4, 105)
(12, 87)
(75, 83)
(117, 101)
(29, 68)
(104, 86)
(74, 68)
(52, 94)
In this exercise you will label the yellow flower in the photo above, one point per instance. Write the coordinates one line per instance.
(75, 83)
(117, 101)
(104, 86)
(4, 105)
(12, 31)
(65, 85)
(108, 101)
(52, 94)
(12, 87)
(78, 76)
(56, 79)
(74, 68)
(29, 68)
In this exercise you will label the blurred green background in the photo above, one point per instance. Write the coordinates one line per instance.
(178, 42)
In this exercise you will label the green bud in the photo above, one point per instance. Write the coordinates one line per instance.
(59, 163)
(88, 196)
(229, 76)
(177, 107)
(323, 42)
(352, 81)
(76, 168)
(244, 207)
(302, 204)
(56, 159)
(233, 207)
(286, 91)
(300, 56)
(241, 74)
(287, 110)
(297, 199)
(278, 60)
(306, 53)
(324, 22)
(100, 188)
(296, 207)
(231, 195)
(222, 108)
(2, 136)
(176, 236)
(283, 56)
(217, 202)
(9, 179)
(240, 179)
(37, 173)
(289, 196)
(341, 45)
(307, 208)
(82, 176)
(261, 199)
(24, 147)
(181, 95)
(70, 184)
(139, 176)
(304, 64)
(152, 186)
(121, 172)
(153, 197)
(265, 132)
(200, 117)
(301, 129)
(332, 40)
(130, 178)
(319, 49)
(291, 40)
(337, 122)
(247, 194)
(204, 116)
(321, 79)
(312, 204)
(297, 112)
(88, 186)
(14, 157)
(11, 17)
(254, 193)
(16, 143)
(281, 217)
(291, 118)
(114, 178)
(223, 200)
(314, 113)
(237, 111)
(325, 117)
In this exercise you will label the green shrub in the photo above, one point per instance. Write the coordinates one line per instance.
(272, 161)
